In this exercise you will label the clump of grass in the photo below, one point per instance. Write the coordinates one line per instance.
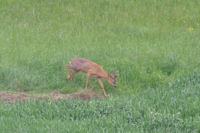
(174, 108)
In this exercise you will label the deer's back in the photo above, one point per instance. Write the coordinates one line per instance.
(82, 64)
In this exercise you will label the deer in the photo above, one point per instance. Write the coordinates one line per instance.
(91, 69)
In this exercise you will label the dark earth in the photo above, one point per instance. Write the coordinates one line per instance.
(11, 97)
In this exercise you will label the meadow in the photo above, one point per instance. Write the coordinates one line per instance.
(153, 44)
(162, 110)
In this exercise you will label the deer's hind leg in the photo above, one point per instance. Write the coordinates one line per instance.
(69, 76)
(67, 71)
(73, 73)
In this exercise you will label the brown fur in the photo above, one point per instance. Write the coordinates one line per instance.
(92, 69)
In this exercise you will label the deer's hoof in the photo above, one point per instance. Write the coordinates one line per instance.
(68, 80)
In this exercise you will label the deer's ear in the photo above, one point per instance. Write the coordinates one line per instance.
(116, 74)
(112, 74)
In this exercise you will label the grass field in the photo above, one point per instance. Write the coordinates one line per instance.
(154, 45)
(172, 109)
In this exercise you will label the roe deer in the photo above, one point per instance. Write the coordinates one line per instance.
(92, 69)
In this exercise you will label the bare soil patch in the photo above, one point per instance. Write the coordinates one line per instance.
(11, 97)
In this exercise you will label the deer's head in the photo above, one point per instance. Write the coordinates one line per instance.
(112, 77)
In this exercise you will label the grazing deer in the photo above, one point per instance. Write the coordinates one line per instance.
(92, 69)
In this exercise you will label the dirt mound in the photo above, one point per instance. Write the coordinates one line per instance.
(77, 95)
(11, 97)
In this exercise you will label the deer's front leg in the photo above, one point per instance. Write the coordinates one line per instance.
(87, 81)
(102, 86)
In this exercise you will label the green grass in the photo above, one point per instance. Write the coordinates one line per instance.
(153, 44)
(147, 42)
(171, 109)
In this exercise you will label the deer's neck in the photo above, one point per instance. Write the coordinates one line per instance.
(106, 76)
